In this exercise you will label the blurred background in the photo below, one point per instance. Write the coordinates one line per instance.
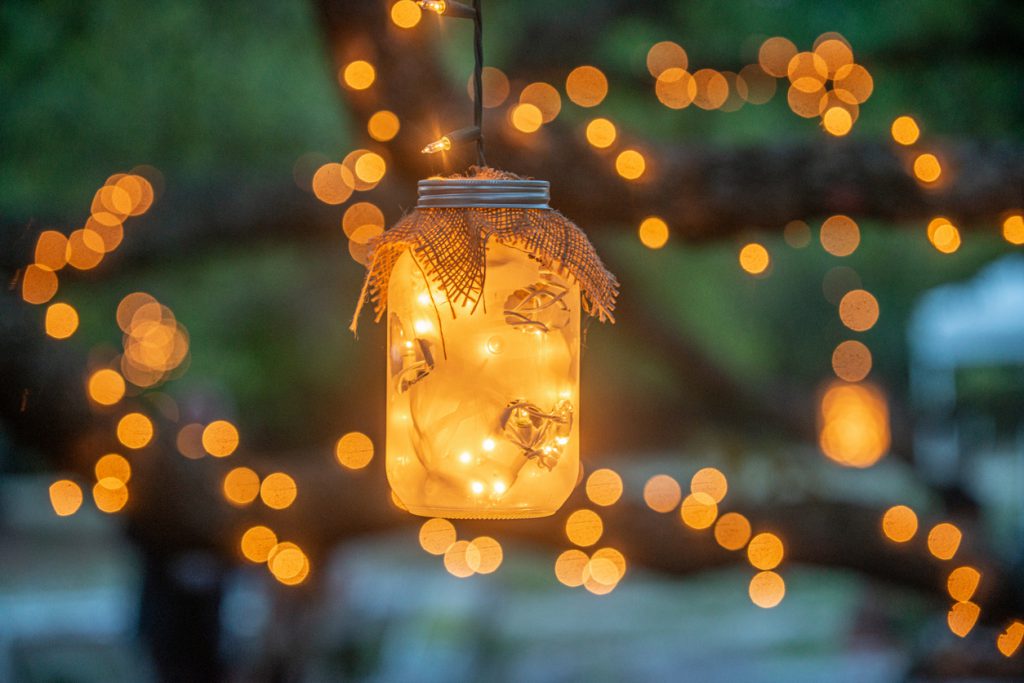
(814, 210)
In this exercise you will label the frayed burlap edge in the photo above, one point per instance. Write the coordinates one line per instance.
(450, 245)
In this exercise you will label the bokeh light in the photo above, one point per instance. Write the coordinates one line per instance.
(496, 87)
(675, 88)
(110, 495)
(732, 531)
(437, 535)
(113, 465)
(333, 183)
(899, 523)
(134, 430)
(65, 497)
(775, 54)
(545, 97)
(586, 86)
(354, 450)
(51, 250)
(257, 542)
(754, 258)
(944, 540)
(1009, 641)
(406, 13)
(797, 234)
(698, 510)
(38, 284)
(711, 481)
(904, 130)
(584, 527)
(457, 561)
(358, 75)
(851, 361)
(278, 491)
(962, 583)
(666, 55)
(526, 118)
(383, 125)
(765, 551)
(653, 232)
(927, 168)
(601, 133)
(604, 487)
(662, 493)
(220, 438)
(241, 486)
(767, 589)
(106, 387)
(854, 424)
(630, 164)
(962, 617)
(484, 555)
(1013, 229)
(61, 320)
(569, 567)
(858, 310)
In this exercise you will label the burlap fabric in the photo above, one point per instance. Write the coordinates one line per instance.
(450, 244)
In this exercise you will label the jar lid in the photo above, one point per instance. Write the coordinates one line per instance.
(474, 193)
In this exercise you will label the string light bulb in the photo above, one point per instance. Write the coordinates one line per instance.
(446, 142)
(447, 8)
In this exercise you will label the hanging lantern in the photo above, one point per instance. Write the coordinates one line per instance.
(481, 287)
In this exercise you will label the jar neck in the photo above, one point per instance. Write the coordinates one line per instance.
(471, 193)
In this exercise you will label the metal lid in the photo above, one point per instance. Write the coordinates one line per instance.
(472, 193)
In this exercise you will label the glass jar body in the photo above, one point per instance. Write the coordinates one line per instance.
(483, 399)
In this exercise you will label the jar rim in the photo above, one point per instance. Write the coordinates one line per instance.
(474, 193)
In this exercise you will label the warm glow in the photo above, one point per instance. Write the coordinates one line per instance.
(358, 75)
(65, 497)
(511, 451)
(51, 249)
(442, 144)
(712, 89)
(85, 249)
(711, 481)
(586, 86)
(943, 235)
(220, 438)
(962, 617)
(630, 164)
(927, 168)
(569, 567)
(754, 258)
(354, 450)
(604, 487)
(545, 97)
(899, 523)
(584, 527)
(406, 13)
(1013, 229)
(962, 583)
(835, 54)
(775, 55)
(278, 491)
(384, 125)
(944, 540)
(858, 310)
(666, 55)
(853, 84)
(904, 130)
(61, 320)
(134, 430)
(241, 486)
(288, 563)
(765, 551)
(601, 133)
(662, 493)
(437, 535)
(39, 284)
(698, 510)
(257, 542)
(653, 232)
(732, 531)
(115, 466)
(767, 589)
(527, 118)
(807, 72)
(854, 424)
(106, 387)
(110, 495)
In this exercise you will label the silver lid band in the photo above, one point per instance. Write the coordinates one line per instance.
(470, 193)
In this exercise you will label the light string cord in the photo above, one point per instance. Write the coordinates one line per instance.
(478, 84)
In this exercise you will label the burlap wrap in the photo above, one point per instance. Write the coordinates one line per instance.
(450, 245)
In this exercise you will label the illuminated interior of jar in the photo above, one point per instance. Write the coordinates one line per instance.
(483, 406)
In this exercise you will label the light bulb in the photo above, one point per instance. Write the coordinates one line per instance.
(477, 487)
(438, 6)
(442, 145)
(488, 444)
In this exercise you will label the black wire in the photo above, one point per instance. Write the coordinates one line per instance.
(478, 84)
